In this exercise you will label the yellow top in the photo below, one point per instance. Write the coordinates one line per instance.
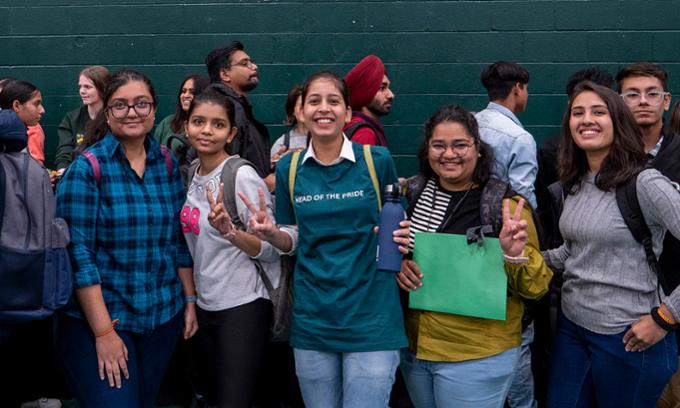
(436, 336)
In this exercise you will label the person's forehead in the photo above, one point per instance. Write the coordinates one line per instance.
(239, 55)
(641, 83)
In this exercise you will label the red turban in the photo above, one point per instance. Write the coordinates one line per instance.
(364, 81)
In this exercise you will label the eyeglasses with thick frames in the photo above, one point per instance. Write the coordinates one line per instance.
(652, 96)
(120, 109)
(459, 148)
(246, 63)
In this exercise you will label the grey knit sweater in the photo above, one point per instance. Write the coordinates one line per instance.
(607, 281)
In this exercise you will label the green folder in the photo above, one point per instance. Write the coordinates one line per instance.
(459, 278)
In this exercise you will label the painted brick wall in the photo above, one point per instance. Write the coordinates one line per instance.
(434, 50)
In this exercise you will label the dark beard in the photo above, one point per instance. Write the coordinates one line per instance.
(249, 86)
(377, 110)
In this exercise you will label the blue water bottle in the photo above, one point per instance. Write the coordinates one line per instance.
(389, 257)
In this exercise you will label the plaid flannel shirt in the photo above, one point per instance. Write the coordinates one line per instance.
(125, 234)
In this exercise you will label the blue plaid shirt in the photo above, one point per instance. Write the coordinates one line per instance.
(125, 234)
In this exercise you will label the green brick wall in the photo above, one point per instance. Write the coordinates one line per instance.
(434, 50)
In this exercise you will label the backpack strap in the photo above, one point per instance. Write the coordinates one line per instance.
(94, 163)
(491, 203)
(192, 170)
(228, 179)
(368, 156)
(97, 170)
(557, 197)
(168, 160)
(292, 172)
(627, 201)
(286, 139)
(352, 129)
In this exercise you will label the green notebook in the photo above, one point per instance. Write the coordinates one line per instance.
(459, 278)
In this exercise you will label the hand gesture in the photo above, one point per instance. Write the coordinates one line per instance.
(112, 357)
(218, 217)
(513, 235)
(261, 223)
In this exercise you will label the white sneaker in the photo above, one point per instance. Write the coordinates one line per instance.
(42, 403)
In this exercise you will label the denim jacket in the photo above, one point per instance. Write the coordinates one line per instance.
(513, 147)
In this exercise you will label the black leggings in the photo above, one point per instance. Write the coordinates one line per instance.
(232, 344)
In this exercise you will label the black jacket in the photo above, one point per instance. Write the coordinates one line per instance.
(252, 140)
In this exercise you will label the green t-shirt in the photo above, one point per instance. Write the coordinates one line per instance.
(342, 303)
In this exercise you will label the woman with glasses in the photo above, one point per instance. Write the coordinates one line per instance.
(132, 270)
(614, 339)
(454, 360)
(91, 85)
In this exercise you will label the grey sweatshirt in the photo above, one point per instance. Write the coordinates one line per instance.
(224, 275)
(608, 284)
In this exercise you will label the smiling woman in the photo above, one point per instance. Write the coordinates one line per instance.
(346, 322)
(455, 360)
(122, 200)
(192, 85)
(613, 342)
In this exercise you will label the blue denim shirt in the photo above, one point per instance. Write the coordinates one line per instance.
(513, 147)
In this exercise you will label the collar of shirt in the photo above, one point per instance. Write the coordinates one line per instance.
(346, 153)
(656, 148)
(505, 111)
(112, 144)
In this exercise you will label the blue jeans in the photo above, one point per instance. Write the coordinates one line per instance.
(521, 394)
(481, 383)
(587, 365)
(346, 380)
(148, 357)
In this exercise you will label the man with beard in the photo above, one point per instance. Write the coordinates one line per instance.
(233, 73)
(371, 98)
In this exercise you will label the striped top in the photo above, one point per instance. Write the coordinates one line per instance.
(429, 211)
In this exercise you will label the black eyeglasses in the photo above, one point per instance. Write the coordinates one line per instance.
(120, 109)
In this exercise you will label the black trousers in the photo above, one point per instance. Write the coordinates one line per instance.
(232, 348)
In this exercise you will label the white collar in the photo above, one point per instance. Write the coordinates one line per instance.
(346, 152)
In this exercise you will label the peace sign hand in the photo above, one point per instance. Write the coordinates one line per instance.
(513, 235)
(218, 217)
(261, 223)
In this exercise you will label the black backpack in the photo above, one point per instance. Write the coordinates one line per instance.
(627, 201)
(351, 130)
(184, 152)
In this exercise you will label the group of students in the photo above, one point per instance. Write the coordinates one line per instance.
(155, 260)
